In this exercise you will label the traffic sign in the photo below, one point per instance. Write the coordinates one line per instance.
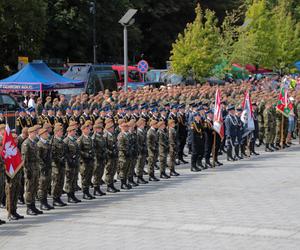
(143, 66)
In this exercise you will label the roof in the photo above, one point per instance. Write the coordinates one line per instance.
(37, 76)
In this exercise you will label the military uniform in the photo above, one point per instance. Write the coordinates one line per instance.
(208, 135)
(44, 162)
(63, 120)
(142, 151)
(58, 170)
(198, 139)
(152, 143)
(132, 156)
(182, 135)
(21, 123)
(232, 133)
(100, 152)
(163, 145)
(112, 159)
(72, 158)
(260, 118)
(172, 149)
(31, 173)
(124, 158)
(268, 126)
(87, 154)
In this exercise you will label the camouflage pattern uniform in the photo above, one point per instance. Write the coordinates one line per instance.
(163, 142)
(172, 148)
(141, 150)
(124, 155)
(44, 162)
(72, 157)
(152, 143)
(87, 154)
(133, 154)
(31, 170)
(260, 118)
(100, 152)
(58, 167)
(112, 157)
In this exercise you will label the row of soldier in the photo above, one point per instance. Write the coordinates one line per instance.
(92, 139)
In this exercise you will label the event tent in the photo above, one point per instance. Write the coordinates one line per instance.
(38, 77)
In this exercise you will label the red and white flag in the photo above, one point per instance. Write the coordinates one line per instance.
(218, 119)
(10, 154)
(247, 116)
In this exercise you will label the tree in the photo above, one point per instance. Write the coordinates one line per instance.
(22, 30)
(287, 34)
(256, 43)
(197, 51)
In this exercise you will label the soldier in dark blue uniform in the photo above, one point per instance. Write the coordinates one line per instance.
(32, 119)
(256, 130)
(198, 140)
(208, 134)
(182, 132)
(231, 131)
(21, 121)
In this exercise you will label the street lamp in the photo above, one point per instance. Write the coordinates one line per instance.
(93, 11)
(127, 20)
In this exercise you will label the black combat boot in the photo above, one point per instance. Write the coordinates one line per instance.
(268, 149)
(174, 173)
(45, 205)
(229, 154)
(124, 185)
(110, 189)
(153, 178)
(30, 211)
(17, 215)
(208, 164)
(117, 190)
(71, 199)
(12, 217)
(237, 152)
(2, 222)
(97, 191)
(87, 195)
(132, 182)
(252, 148)
(141, 180)
(21, 200)
(163, 175)
(194, 167)
(35, 209)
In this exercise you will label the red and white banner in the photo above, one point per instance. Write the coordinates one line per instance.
(10, 154)
(247, 116)
(218, 119)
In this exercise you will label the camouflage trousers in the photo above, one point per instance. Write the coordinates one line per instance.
(123, 166)
(12, 189)
(58, 179)
(152, 158)
(44, 184)
(141, 162)
(111, 169)
(163, 155)
(31, 187)
(71, 183)
(269, 135)
(279, 133)
(132, 163)
(86, 172)
(261, 133)
(172, 159)
(98, 172)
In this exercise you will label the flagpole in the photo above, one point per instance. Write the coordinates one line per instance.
(282, 124)
(214, 150)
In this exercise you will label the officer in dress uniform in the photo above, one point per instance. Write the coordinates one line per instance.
(32, 119)
(85, 116)
(182, 132)
(231, 132)
(50, 118)
(60, 118)
(198, 139)
(21, 121)
(208, 134)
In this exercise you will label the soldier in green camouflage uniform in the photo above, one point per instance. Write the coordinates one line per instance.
(142, 150)
(31, 171)
(45, 158)
(112, 157)
(152, 143)
(268, 124)
(163, 145)
(124, 154)
(260, 117)
(58, 166)
(87, 154)
(172, 147)
(133, 152)
(72, 158)
(100, 149)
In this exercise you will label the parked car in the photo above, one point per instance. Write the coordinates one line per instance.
(9, 106)
(96, 77)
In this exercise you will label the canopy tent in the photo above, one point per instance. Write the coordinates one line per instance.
(38, 77)
(297, 64)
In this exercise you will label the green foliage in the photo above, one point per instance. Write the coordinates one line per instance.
(197, 50)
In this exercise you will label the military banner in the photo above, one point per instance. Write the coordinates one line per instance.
(10, 154)
(218, 119)
(283, 104)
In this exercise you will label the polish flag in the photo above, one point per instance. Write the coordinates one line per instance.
(218, 119)
(10, 154)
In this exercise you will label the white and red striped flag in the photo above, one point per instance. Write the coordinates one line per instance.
(247, 116)
(218, 119)
(10, 154)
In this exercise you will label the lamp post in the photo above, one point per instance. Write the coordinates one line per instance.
(126, 21)
(93, 11)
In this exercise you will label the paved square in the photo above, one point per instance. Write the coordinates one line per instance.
(250, 204)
